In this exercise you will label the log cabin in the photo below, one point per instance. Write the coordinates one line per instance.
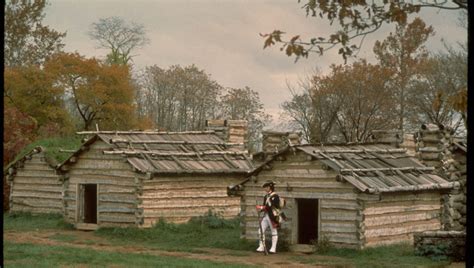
(136, 178)
(353, 196)
(33, 183)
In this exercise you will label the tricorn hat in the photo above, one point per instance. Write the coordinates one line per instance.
(268, 183)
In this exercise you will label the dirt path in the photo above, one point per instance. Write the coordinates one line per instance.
(82, 239)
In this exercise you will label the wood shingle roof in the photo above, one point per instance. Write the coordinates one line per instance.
(176, 152)
(377, 168)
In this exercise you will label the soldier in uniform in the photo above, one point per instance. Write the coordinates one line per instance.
(271, 218)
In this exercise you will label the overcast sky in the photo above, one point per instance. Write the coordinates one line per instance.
(222, 37)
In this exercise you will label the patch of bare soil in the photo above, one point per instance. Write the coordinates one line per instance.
(84, 239)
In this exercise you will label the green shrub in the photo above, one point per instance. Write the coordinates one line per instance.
(322, 245)
(438, 252)
(214, 220)
(283, 244)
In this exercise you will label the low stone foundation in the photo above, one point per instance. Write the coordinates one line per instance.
(439, 244)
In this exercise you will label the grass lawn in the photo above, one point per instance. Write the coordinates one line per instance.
(204, 232)
(29, 255)
(193, 235)
(30, 222)
(400, 255)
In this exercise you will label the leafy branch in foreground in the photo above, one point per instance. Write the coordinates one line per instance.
(356, 19)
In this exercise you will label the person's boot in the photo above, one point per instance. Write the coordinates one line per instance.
(274, 244)
(261, 248)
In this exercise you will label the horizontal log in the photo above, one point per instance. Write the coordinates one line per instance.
(117, 219)
(112, 189)
(31, 194)
(339, 204)
(22, 208)
(358, 151)
(118, 132)
(81, 180)
(339, 228)
(296, 172)
(104, 209)
(350, 170)
(48, 188)
(190, 210)
(102, 164)
(119, 140)
(400, 209)
(189, 202)
(38, 203)
(112, 199)
(186, 187)
(371, 221)
(27, 175)
(311, 195)
(161, 153)
(389, 240)
(318, 193)
(339, 215)
(103, 173)
(426, 196)
(35, 166)
(406, 228)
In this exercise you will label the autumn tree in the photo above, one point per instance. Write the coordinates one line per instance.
(439, 95)
(244, 103)
(355, 19)
(300, 111)
(19, 130)
(100, 93)
(27, 40)
(120, 37)
(30, 91)
(403, 51)
(178, 98)
(365, 100)
(344, 105)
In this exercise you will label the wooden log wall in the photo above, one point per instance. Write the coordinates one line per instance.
(397, 216)
(118, 187)
(435, 147)
(36, 187)
(299, 177)
(178, 198)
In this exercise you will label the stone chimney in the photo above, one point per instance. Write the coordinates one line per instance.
(436, 147)
(231, 131)
(392, 137)
(274, 141)
(433, 143)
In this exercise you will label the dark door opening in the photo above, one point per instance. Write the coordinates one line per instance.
(307, 220)
(90, 203)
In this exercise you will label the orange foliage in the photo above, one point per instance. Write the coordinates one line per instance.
(101, 93)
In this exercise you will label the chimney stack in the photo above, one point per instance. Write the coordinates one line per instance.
(433, 143)
(392, 137)
(231, 131)
(274, 141)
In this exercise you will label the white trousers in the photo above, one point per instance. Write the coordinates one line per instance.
(267, 223)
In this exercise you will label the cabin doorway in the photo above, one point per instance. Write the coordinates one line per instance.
(87, 210)
(308, 220)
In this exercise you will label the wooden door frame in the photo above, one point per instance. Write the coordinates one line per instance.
(80, 203)
(296, 232)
